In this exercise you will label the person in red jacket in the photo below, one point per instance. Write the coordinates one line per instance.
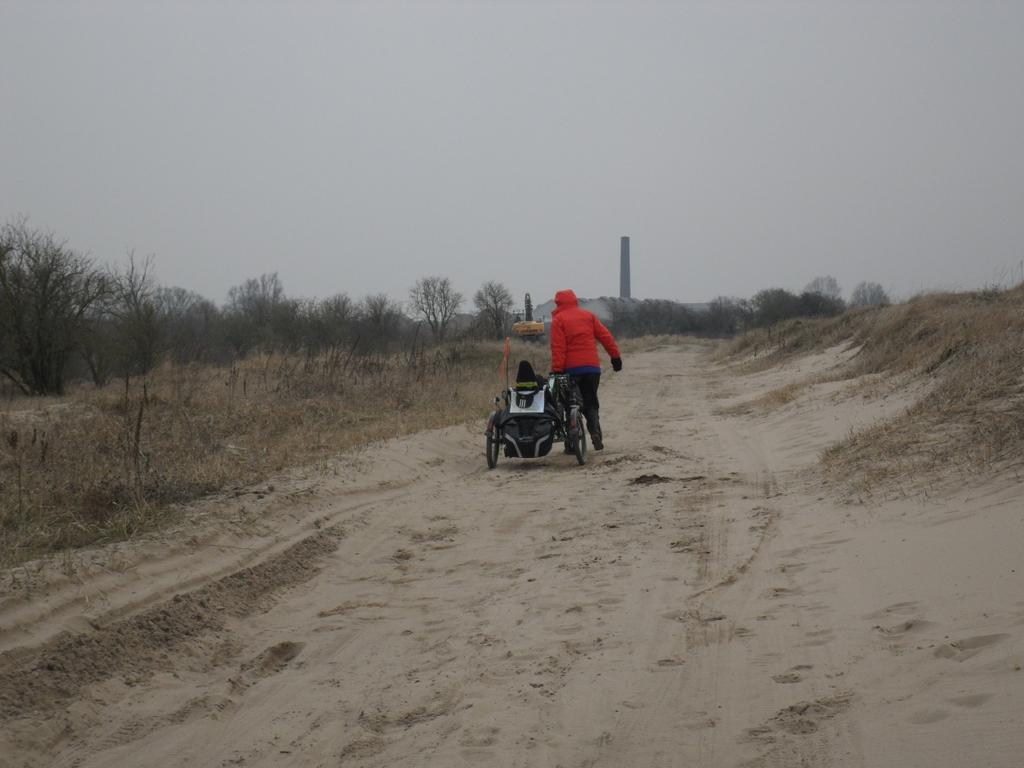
(574, 336)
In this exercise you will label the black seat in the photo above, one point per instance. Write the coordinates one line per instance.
(527, 378)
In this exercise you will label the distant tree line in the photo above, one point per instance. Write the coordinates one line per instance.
(726, 316)
(64, 316)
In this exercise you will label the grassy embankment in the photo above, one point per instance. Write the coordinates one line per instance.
(103, 465)
(967, 348)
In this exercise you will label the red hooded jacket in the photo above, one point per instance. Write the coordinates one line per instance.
(574, 333)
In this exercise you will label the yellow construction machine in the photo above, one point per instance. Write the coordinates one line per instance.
(525, 327)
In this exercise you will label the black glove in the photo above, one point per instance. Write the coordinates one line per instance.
(616, 364)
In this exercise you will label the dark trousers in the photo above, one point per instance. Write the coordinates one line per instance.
(588, 384)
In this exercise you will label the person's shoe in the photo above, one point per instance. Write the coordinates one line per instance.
(597, 442)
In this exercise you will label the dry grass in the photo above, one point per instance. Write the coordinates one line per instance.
(102, 465)
(792, 337)
(763, 348)
(970, 346)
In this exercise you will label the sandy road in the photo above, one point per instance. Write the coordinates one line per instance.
(691, 597)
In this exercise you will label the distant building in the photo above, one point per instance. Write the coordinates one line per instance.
(604, 306)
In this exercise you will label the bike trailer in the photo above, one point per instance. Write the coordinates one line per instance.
(537, 414)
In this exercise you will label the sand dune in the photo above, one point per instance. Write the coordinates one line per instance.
(694, 596)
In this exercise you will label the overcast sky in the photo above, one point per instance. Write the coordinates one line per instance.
(357, 146)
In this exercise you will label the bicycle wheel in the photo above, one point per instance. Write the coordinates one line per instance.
(579, 435)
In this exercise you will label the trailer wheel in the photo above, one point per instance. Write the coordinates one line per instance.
(493, 443)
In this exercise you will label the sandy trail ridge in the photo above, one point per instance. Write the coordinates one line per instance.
(694, 596)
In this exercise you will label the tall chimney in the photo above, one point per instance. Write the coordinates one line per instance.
(624, 268)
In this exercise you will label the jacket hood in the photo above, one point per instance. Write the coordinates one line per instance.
(566, 298)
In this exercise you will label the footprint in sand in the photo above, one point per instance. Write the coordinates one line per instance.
(276, 657)
(787, 677)
(926, 716)
(801, 719)
(818, 637)
(904, 628)
(961, 650)
(971, 700)
(363, 748)
(900, 609)
(791, 567)
(479, 737)
(273, 660)
(670, 662)
(564, 630)
(777, 593)
(698, 721)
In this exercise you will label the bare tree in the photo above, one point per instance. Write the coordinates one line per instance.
(494, 306)
(134, 307)
(381, 319)
(867, 294)
(99, 348)
(728, 315)
(125, 329)
(250, 313)
(826, 286)
(329, 322)
(46, 289)
(436, 301)
(257, 297)
(192, 324)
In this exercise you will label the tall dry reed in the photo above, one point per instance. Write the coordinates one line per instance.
(102, 465)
